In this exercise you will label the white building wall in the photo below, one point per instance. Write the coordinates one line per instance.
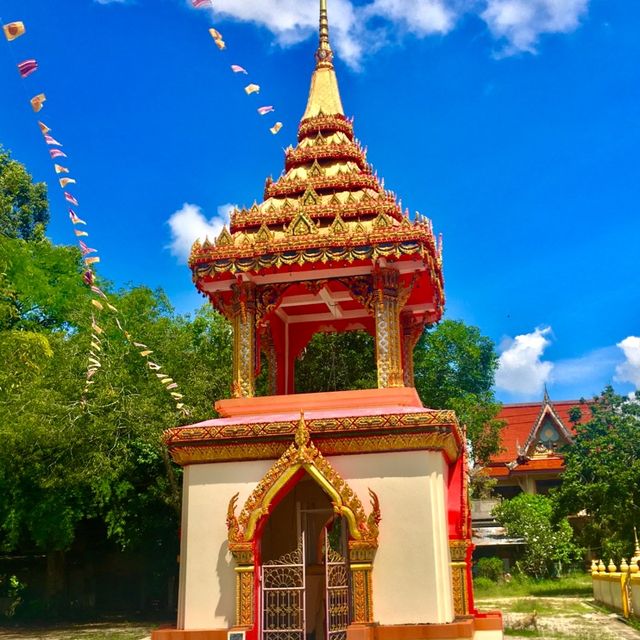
(411, 571)
(207, 576)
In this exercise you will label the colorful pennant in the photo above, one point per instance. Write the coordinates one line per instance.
(37, 102)
(13, 30)
(27, 67)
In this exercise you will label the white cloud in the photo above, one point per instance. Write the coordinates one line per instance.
(422, 17)
(596, 366)
(629, 370)
(521, 370)
(189, 224)
(360, 29)
(521, 22)
(110, 1)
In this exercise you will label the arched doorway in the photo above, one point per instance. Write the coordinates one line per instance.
(305, 591)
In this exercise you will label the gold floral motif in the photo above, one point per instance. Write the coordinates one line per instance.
(362, 594)
(244, 596)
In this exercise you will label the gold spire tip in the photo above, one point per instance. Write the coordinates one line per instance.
(324, 54)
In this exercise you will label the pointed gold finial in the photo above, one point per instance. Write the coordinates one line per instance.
(324, 54)
(302, 433)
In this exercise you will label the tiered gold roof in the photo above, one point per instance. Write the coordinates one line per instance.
(328, 204)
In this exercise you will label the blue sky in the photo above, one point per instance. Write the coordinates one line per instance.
(513, 124)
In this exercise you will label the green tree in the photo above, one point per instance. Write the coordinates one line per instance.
(549, 545)
(336, 362)
(24, 210)
(602, 474)
(65, 462)
(455, 368)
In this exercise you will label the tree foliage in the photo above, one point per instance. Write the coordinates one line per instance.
(602, 475)
(24, 210)
(549, 544)
(455, 368)
(337, 361)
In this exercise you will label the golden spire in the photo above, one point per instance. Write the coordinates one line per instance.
(324, 96)
(324, 54)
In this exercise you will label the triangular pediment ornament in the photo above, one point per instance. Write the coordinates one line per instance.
(309, 198)
(244, 240)
(255, 208)
(335, 200)
(225, 239)
(315, 171)
(286, 205)
(382, 220)
(302, 454)
(359, 229)
(338, 226)
(320, 139)
(366, 196)
(264, 234)
(547, 430)
(351, 199)
(271, 208)
(302, 225)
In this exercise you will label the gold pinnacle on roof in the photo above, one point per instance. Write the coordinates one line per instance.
(324, 95)
(324, 54)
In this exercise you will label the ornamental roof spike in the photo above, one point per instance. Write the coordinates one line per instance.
(225, 239)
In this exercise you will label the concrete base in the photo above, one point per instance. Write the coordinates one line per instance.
(487, 627)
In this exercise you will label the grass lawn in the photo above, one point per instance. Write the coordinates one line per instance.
(90, 631)
(577, 585)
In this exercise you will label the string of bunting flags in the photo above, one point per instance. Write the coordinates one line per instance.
(100, 301)
(251, 88)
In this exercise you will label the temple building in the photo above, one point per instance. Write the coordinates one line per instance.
(531, 460)
(340, 515)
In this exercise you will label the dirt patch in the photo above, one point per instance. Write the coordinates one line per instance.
(553, 618)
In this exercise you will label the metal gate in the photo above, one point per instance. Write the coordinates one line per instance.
(338, 605)
(283, 595)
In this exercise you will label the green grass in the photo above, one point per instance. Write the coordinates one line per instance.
(92, 631)
(573, 585)
(544, 607)
(531, 633)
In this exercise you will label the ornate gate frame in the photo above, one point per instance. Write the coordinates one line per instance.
(244, 530)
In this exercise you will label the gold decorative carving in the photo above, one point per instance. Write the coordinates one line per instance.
(411, 331)
(362, 593)
(244, 596)
(303, 454)
(435, 430)
(459, 582)
(388, 351)
(225, 239)
(244, 339)
(302, 225)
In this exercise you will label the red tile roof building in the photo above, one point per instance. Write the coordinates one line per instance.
(532, 442)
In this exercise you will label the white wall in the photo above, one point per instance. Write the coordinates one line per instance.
(411, 572)
(207, 576)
